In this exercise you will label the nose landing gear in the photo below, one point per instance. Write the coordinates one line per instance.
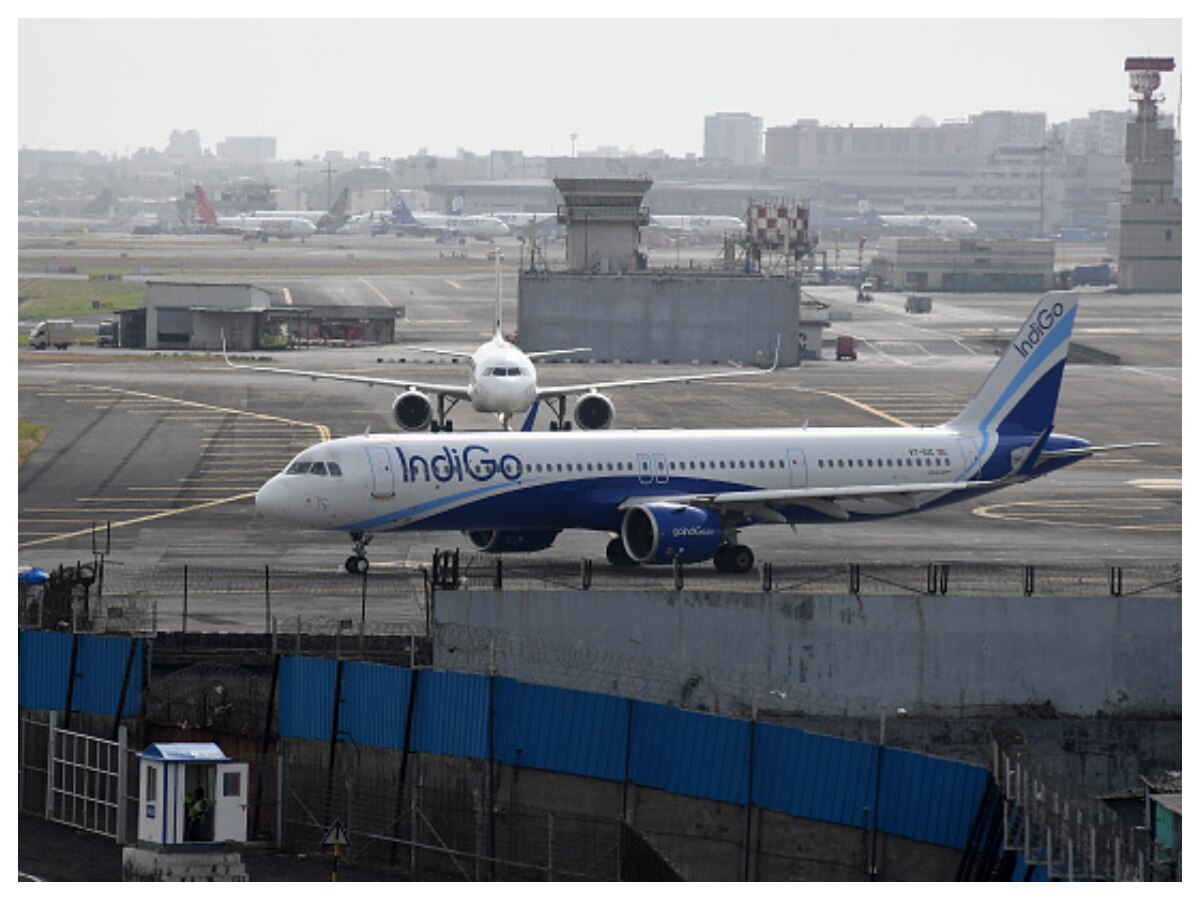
(358, 563)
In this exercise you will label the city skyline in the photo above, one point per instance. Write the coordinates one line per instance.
(394, 87)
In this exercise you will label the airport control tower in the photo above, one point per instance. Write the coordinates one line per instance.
(1146, 224)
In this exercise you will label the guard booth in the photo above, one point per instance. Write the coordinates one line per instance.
(171, 776)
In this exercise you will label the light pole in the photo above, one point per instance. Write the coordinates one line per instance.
(386, 160)
(299, 165)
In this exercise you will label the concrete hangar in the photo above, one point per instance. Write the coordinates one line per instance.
(609, 300)
(199, 316)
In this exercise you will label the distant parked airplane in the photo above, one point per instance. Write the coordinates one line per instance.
(933, 223)
(251, 226)
(327, 222)
(442, 225)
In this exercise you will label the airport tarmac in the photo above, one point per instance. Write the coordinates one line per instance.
(169, 448)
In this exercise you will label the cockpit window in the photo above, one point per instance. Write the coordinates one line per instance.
(318, 467)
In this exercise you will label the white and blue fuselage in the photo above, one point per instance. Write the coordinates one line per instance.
(684, 494)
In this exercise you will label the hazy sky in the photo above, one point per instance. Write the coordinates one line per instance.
(393, 86)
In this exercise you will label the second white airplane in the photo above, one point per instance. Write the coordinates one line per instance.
(502, 381)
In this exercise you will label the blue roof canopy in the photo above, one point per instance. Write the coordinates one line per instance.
(186, 753)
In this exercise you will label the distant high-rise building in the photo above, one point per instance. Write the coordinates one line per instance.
(247, 149)
(736, 137)
(184, 145)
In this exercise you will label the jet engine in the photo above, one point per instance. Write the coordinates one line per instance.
(593, 412)
(664, 532)
(511, 541)
(412, 411)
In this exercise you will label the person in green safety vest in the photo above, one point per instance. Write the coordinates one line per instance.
(197, 806)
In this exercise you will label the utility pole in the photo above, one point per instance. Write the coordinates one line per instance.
(299, 165)
(329, 170)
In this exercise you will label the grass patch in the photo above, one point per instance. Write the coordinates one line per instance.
(29, 436)
(56, 298)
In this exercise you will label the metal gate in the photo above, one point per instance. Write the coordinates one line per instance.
(86, 780)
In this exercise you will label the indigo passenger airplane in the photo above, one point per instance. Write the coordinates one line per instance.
(685, 494)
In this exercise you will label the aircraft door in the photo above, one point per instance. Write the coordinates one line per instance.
(383, 479)
(644, 469)
(660, 468)
(797, 468)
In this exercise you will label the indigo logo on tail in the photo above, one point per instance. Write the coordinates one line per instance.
(1039, 327)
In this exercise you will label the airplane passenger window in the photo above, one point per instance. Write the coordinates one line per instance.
(610, 466)
(702, 464)
(559, 466)
(741, 464)
(870, 463)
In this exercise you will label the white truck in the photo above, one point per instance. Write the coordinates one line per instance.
(58, 333)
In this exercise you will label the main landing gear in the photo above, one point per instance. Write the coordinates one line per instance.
(734, 559)
(358, 563)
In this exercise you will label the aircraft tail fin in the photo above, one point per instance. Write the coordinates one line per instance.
(401, 211)
(1020, 396)
(338, 209)
(204, 209)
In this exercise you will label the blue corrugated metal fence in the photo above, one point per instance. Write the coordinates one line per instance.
(46, 679)
(617, 739)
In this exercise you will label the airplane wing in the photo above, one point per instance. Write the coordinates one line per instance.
(449, 390)
(457, 354)
(546, 354)
(569, 389)
(762, 504)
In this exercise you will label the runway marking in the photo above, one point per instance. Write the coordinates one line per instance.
(141, 520)
(1075, 514)
(454, 284)
(1174, 485)
(852, 402)
(322, 430)
(378, 292)
(264, 426)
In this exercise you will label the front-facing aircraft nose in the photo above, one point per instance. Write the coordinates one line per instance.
(272, 499)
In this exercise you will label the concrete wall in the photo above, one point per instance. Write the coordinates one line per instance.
(828, 655)
(516, 814)
(708, 319)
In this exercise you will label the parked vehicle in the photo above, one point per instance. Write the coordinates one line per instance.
(108, 333)
(918, 303)
(1098, 275)
(58, 333)
(846, 348)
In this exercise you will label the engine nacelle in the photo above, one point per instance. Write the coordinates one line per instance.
(511, 541)
(412, 411)
(593, 412)
(665, 532)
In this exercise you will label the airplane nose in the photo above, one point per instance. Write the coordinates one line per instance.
(272, 499)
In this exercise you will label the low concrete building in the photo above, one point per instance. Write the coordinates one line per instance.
(709, 318)
(943, 264)
(242, 317)
(193, 315)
